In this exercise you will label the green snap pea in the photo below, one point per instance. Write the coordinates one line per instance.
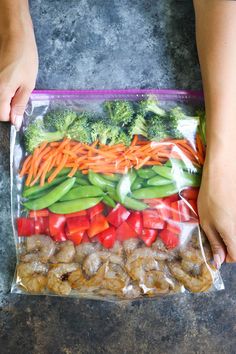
(155, 192)
(99, 181)
(180, 177)
(113, 178)
(124, 186)
(158, 181)
(40, 194)
(82, 181)
(163, 171)
(36, 190)
(75, 205)
(128, 202)
(52, 197)
(109, 201)
(82, 192)
(189, 167)
(138, 183)
(63, 172)
(146, 173)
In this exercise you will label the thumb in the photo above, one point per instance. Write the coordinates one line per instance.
(18, 105)
(217, 246)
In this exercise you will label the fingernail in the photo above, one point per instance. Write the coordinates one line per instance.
(18, 122)
(217, 261)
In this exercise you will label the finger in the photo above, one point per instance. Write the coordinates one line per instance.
(18, 105)
(217, 245)
(5, 107)
(231, 249)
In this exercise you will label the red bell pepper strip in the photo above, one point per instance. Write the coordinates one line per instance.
(118, 215)
(86, 238)
(60, 237)
(190, 193)
(173, 227)
(57, 224)
(98, 224)
(25, 226)
(170, 239)
(41, 226)
(149, 236)
(38, 213)
(77, 224)
(135, 221)
(193, 204)
(164, 209)
(107, 237)
(172, 198)
(152, 220)
(124, 232)
(78, 213)
(95, 210)
(180, 211)
(76, 238)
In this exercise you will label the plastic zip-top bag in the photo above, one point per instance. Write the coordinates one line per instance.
(104, 191)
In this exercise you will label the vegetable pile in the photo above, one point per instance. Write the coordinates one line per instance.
(130, 173)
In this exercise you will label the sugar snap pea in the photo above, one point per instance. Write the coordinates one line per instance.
(114, 178)
(98, 180)
(146, 173)
(128, 202)
(189, 167)
(52, 197)
(75, 205)
(138, 183)
(155, 192)
(82, 181)
(166, 172)
(158, 181)
(109, 201)
(35, 190)
(124, 186)
(63, 172)
(82, 192)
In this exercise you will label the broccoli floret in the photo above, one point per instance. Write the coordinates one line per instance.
(79, 130)
(120, 112)
(138, 126)
(151, 105)
(123, 138)
(157, 129)
(179, 121)
(35, 135)
(59, 120)
(103, 131)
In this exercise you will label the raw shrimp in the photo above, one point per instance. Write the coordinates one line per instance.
(195, 255)
(117, 248)
(115, 278)
(57, 278)
(33, 276)
(76, 279)
(156, 282)
(145, 252)
(38, 248)
(195, 283)
(137, 268)
(130, 245)
(65, 253)
(94, 261)
(85, 249)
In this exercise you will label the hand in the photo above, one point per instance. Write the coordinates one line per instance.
(18, 71)
(217, 206)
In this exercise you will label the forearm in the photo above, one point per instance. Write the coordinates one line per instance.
(216, 41)
(14, 16)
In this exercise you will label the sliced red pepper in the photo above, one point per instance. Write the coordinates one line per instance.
(57, 224)
(86, 238)
(152, 220)
(164, 209)
(149, 236)
(172, 198)
(38, 213)
(170, 239)
(153, 202)
(190, 193)
(76, 238)
(173, 227)
(193, 204)
(77, 224)
(25, 226)
(41, 226)
(95, 210)
(60, 237)
(78, 213)
(98, 224)
(124, 232)
(107, 237)
(135, 221)
(118, 215)
(180, 211)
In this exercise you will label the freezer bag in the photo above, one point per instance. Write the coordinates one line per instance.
(104, 195)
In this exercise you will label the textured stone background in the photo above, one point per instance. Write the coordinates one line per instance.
(111, 44)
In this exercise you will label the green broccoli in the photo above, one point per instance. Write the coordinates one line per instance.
(138, 126)
(79, 130)
(157, 129)
(179, 121)
(35, 135)
(59, 120)
(123, 138)
(151, 105)
(120, 113)
(103, 131)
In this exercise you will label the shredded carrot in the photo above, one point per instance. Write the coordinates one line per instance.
(58, 169)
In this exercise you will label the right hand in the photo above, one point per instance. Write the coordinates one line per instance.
(18, 72)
